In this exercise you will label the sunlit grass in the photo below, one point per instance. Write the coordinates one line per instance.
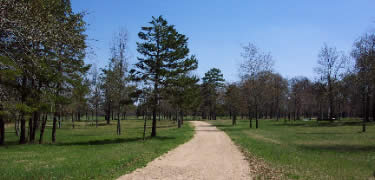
(87, 152)
(309, 150)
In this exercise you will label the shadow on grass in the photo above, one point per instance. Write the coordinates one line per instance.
(291, 124)
(102, 124)
(113, 141)
(326, 133)
(340, 148)
(334, 124)
(323, 124)
(10, 144)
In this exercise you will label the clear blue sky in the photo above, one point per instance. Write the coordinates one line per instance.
(292, 30)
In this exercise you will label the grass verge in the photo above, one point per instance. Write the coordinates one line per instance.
(87, 152)
(308, 150)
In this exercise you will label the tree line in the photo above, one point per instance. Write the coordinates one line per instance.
(343, 87)
(42, 46)
(43, 75)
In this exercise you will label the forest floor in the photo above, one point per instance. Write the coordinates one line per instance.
(209, 155)
(87, 152)
(306, 149)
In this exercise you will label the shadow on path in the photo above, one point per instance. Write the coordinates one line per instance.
(340, 148)
(113, 141)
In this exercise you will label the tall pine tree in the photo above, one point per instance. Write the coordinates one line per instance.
(164, 56)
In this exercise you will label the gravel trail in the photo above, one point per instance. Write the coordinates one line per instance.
(210, 154)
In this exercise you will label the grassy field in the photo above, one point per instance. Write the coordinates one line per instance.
(309, 150)
(88, 152)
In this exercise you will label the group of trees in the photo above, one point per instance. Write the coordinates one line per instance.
(43, 74)
(42, 46)
(344, 87)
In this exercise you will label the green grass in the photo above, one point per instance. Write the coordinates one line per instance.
(309, 150)
(88, 152)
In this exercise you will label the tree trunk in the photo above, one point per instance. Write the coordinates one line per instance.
(249, 112)
(108, 113)
(178, 121)
(17, 126)
(96, 117)
(23, 130)
(118, 124)
(330, 98)
(234, 119)
(364, 109)
(23, 121)
(364, 126)
(144, 128)
(285, 117)
(204, 116)
(54, 129)
(256, 117)
(44, 122)
(298, 115)
(73, 120)
(154, 109)
(153, 131)
(278, 114)
(112, 114)
(34, 127)
(92, 117)
(30, 129)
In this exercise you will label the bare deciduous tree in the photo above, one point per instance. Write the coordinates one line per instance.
(331, 64)
(253, 70)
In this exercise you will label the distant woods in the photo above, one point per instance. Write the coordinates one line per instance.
(45, 82)
(344, 87)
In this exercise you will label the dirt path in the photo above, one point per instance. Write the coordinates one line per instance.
(209, 155)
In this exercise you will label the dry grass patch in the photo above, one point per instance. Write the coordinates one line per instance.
(260, 137)
(260, 168)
